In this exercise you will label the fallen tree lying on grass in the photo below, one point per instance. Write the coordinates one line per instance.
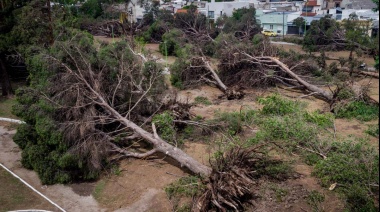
(98, 104)
(246, 66)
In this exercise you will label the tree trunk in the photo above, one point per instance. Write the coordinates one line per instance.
(159, 144)
(327, 95)
(351, 62)
(219, 82)
(365, 73)
(4, 80)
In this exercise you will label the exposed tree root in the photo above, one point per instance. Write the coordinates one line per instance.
(229, 184)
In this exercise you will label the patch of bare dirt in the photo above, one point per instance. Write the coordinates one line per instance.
(141, 184)
(287, 47)
(218, 104)
(83, 189)
(346, 128)
(292, 194)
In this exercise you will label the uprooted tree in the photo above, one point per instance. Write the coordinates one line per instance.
(86, 106)
(244, 65)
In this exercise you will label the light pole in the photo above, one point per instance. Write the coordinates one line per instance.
(130, 12)
(166, 54)
(304, 33)
(283, 25)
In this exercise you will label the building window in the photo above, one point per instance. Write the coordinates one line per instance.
(270, 26)
(211, 14)
(307, 9)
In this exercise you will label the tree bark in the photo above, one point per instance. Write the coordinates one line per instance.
(159, 144)
(219, 82)
(365, 73)
(4, 80)
(327, 95)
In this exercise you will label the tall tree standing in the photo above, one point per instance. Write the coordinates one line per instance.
(356, 35)
(22, 24)
(299, 22)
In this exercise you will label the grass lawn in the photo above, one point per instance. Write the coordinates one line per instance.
(6, 107)
(14, 195)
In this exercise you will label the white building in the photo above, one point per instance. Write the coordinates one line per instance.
(362, 14)
(214, 10)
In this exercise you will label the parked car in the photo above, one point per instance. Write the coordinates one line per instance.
(269, 33)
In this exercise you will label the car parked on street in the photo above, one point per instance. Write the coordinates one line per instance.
(269, 33)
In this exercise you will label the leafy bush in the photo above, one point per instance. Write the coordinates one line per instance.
(359, 110)
(373, 130)
(185, 187)
(322, 120)
(165, 127)
(171, 44)
(257, 39)
(92, 8)
(176, 71)
(351, 164)
(355, 167)
(292, 130)
(314, 199)
(275, 105)
(236, 120)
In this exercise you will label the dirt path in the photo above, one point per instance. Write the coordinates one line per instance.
(64, 196)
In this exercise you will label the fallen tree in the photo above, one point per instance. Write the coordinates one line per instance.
(99, 103)
(245, 66)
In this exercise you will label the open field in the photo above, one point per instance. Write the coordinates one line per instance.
(139, 185)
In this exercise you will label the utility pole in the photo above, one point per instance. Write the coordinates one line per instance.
(304, 33)
(131, 17)
(283, 24)
(166, 55)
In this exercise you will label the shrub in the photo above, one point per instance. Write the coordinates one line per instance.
(314, 199)
(257, 39)
(176, 73)
(322, 120)
(354, 166)
(292, 130)
(185, 187)
(359, 110)
(236, 120)
(275, 105)
(165, 127)
(373, 130)
(171, 43)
